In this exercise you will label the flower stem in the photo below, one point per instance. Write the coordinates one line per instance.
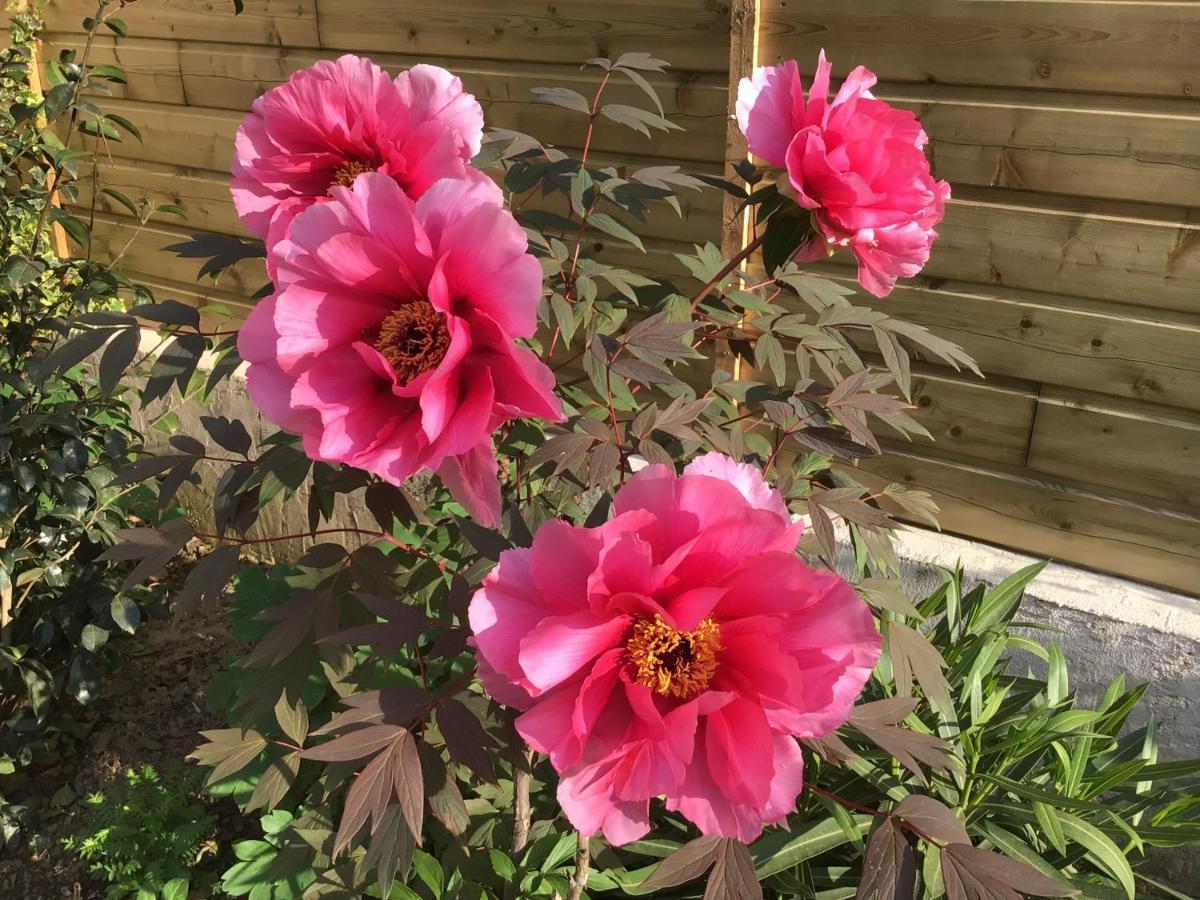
(740, 258)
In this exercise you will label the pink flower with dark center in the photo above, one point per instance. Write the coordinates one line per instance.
(389, 341)
(335, 120)
(857, 163)
(676, 651)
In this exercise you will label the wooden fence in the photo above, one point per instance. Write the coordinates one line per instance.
(1068, 264)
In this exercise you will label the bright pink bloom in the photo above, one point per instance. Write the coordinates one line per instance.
(388, 344)
(677, 651)
(857, 163)
(334, 120)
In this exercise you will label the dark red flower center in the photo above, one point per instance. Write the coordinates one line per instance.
(344, 175)
(413, 339)
(673, 663)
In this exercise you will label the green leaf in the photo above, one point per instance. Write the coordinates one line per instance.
(110, 73)
(117, 26)
(606, 223)
(1001, 602)
(1100, 849)
(124, 123)
(93, 637)
(175, 889)
(561, 96)
(121, 198)
(125, 613)
(781, 850)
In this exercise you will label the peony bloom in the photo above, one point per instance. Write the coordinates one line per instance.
(388, 343)
(677, 651)
(334, 120)
(857, 163)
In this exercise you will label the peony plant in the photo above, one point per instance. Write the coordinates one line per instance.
(597, 641)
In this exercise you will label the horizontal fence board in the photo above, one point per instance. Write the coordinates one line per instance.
(973, 418)
(689, 34)
(1144, 449)
(1115, 48)
(229, 77)
(1073, 248)
(288, 23)
(1112, 148)
(1071, 343)
(1137, 539)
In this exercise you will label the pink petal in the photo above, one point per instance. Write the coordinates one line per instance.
(558, 647)
(471, 478)
(770, 105)
(746, 478)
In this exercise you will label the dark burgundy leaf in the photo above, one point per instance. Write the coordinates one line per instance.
(275, 782)
(933, 818)
(402, 626)
(488, 542)
(230, 434)
(408, 786)
(208, 579)
(322, 556)
(387, 503)
(877, 722)
(913, 655)
(686, 864)
(564, 450)
(889, 868)
(153, 547)
(373, 570)
(971, 873)
(168, 312)
(391, 849)
(187, 444)
(145, 467)
(643, 372)
(831, 748)
(465, 738)
(369, 795)
(228, 750)
(733, 876)
(117, 358)
(355, 744)
(445, 800)
(174, 366)
(173, 481)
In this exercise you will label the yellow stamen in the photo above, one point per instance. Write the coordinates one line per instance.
(673, 663)
(345, 175)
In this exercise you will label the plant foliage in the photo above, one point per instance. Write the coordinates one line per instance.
(356, 725)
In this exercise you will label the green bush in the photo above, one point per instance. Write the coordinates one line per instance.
(64, 432)
(144, 836)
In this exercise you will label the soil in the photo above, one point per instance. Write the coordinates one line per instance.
(150, 712)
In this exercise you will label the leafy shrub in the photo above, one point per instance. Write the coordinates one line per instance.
(359, 722)
(64, 432)
(144, 836)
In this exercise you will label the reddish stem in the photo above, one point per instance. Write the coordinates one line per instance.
(730, 266)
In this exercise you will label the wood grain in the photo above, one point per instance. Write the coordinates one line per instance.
(1139, 448)
(1122, 534)
(287, 23)
(1115, 48)
(689, 34)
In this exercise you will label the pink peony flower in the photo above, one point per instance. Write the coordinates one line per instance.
(857, 163)
(334, 120)
(676, 651)
(388, 343)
